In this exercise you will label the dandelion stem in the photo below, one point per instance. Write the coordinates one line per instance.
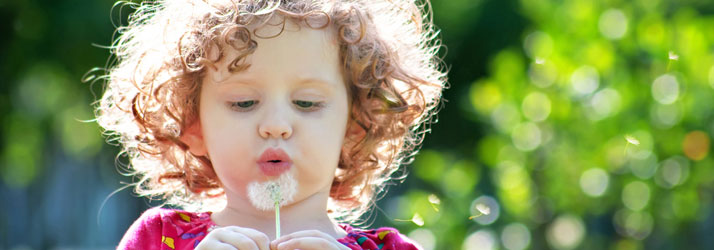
(276, 195)
(277, 219)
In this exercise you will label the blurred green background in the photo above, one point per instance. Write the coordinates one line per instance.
(570, 124)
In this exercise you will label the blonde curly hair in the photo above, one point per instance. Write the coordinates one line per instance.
(388, 50)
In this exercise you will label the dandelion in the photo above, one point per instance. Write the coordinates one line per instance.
(482, 209)
(273, 194)
(434, 201)
(630, 140)
(418, 220)
(673, 56)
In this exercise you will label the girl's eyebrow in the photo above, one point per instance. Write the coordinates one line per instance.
(308, 81)
(316, 81)
(299, 80)
(236, 79)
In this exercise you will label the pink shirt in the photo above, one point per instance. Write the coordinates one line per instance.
(169, 229)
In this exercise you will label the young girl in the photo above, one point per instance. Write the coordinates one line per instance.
(243, 112)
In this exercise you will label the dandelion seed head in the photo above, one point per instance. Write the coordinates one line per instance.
(483, 208)
(632, 140)
(433, 199)
(264, 195)
(673, 56)
(418, 220)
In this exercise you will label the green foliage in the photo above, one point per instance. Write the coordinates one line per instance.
(597, 128)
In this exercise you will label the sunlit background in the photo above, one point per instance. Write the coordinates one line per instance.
(570, 124)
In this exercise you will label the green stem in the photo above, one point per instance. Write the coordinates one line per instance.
(277, 220)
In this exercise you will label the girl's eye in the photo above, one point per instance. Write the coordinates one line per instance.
(243, 105)
(307, 105)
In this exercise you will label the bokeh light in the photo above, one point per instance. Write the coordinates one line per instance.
(509, 153)
(666, 116)
(665, 89)
(636, 195)
(536, 106)
(483, 239)
(485, 210)
(538, 45)
(643, 164)
(585, 80)
(526, 136)
(672, 172)
(510, 175)
(637, 225)
(566, 232)
(613, 24)
(542, 73)
(696, 145)
(515, 187)
(515, 236)
(485, 97)
(594, 182)
(604, 103)
(424, 237)
(506, 117)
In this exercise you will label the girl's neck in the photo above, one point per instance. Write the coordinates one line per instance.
(307, 214)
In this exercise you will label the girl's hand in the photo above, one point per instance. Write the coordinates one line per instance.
(233, 237)
(307, 240)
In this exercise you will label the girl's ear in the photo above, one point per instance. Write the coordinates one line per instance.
(193, 138)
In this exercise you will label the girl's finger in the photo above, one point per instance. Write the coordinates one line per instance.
(214, 245)
(305, 233)
(239, 241)
(260, 239)
(308, 243)
(241, 238)
(308, 236)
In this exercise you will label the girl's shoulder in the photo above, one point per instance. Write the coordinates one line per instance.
(385, 238)
(174, 228)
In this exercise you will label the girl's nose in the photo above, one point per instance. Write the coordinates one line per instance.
(275, 127)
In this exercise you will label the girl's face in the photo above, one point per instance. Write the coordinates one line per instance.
(291, 98)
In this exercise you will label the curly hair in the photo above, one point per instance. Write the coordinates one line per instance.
(388, 50)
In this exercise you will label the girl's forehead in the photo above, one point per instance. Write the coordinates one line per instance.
(303, 54)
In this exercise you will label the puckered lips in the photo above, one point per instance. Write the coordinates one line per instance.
(274, 161)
